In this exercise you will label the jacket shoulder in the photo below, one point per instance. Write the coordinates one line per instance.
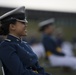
(5, 43)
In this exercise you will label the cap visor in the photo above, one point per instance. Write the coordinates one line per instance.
(22, 20)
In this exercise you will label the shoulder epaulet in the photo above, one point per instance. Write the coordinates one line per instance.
(24, 42)
(7, 40)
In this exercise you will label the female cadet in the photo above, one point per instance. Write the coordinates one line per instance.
(15, 54)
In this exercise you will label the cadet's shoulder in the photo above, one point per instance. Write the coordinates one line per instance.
(7, 46)
(53, 38)
(49, 39)
(3, 43)
(6, 43)
(46, 37)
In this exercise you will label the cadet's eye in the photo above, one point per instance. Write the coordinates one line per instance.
(23, 23)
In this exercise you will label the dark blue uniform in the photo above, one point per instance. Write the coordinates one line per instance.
(51, 46)
(18, 58)
(60, 41)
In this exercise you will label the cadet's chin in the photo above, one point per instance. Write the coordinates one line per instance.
(25, 34)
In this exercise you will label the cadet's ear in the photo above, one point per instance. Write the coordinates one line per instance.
(12, 27)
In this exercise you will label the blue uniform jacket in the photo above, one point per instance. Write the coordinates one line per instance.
(60, 41)
(50, 44)
(18, 58)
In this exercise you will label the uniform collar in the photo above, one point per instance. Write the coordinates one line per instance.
(11, 37)
(46, 34)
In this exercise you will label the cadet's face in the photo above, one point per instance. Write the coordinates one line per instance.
(21, 28)
(51, 29)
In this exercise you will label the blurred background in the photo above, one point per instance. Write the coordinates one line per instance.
(64, 12)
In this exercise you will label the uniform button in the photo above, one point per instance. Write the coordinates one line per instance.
(28, 52)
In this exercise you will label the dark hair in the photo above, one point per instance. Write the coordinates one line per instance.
(4, 28)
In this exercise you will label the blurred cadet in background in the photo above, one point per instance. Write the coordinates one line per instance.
(52, 48)
(58, 33)
(16, 55)
(66, 46)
